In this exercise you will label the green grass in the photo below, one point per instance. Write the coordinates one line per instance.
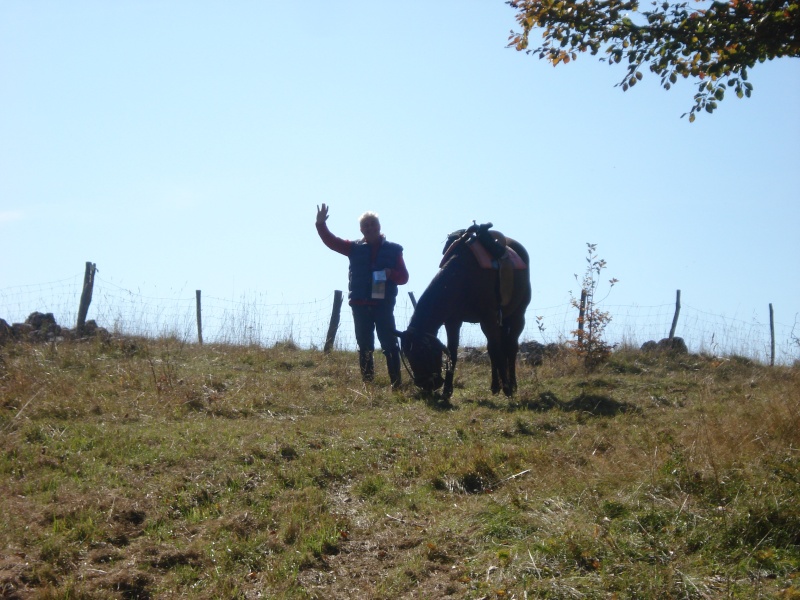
(141, 468)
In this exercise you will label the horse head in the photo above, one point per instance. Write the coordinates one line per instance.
(426, 356)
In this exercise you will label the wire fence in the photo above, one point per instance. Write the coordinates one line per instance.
(260, 320)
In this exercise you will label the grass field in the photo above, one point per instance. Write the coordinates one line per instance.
(141, 468)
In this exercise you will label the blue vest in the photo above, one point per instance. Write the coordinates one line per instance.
(360, 284)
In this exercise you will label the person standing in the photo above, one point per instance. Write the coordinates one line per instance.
(376, 269)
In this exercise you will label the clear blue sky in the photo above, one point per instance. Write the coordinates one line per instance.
(186, 145)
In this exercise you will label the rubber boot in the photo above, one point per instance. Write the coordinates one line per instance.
(367, 365)
(393, 365)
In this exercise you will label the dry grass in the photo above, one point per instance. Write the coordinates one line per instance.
(144, 468)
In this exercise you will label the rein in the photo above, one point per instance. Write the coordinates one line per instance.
(448, 368)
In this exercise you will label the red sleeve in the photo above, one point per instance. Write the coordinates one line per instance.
(399, 274)
(331, 241)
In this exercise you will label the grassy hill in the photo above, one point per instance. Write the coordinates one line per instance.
(138, 468)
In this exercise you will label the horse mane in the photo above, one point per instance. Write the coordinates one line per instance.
(451, 239)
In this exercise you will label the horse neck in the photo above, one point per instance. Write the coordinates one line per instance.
(426, 318)
(433, 307)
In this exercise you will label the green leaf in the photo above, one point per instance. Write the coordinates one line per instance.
(715, 46)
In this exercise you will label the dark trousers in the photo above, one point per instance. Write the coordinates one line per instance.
(371, 319)
(368, 320)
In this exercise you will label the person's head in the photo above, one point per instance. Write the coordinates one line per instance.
(370, 227)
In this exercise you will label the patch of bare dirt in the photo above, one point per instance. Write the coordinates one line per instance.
(368, 564)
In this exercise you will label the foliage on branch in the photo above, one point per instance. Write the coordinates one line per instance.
(715, 43)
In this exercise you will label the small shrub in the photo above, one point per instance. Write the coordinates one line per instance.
(590, 343)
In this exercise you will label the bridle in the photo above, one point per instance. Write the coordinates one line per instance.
(448, 362)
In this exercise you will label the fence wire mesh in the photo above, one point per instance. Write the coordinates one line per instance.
(265, 319)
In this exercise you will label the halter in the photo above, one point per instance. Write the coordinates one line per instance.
(448, 363)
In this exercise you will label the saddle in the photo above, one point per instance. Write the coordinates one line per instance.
(491, 250)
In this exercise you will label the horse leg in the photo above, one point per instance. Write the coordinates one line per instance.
(510, 358)
(453, 329)
(494, 344)
(512, 329)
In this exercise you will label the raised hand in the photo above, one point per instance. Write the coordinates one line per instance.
(322, 214)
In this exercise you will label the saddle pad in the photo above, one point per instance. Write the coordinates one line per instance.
(485, 259)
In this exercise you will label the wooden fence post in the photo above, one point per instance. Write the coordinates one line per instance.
(581, 317)
(334, 324)
(199, 319)
(86, 296)
(675, 318)
(772, 336)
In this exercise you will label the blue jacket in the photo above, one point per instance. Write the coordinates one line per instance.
(361, 269)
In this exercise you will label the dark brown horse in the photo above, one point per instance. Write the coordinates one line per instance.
(465, 291)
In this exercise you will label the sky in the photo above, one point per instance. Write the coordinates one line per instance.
(186, 145)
